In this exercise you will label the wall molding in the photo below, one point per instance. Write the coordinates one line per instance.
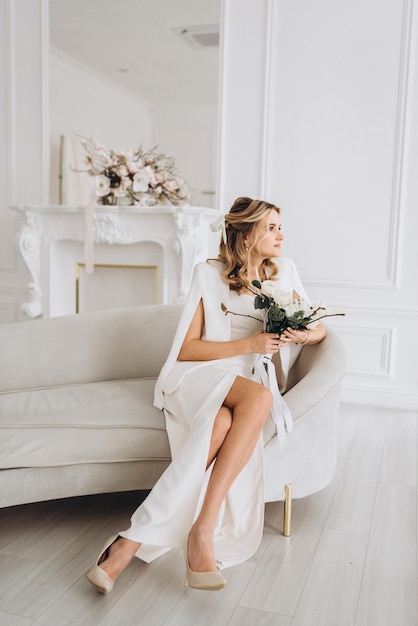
(385, 361)
(375, 312)
(383, 285)
(400, 157)
(9, 253)
(395, 397)
(266, 160)
(391, 282)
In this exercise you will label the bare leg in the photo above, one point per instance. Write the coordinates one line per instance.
(245, 410)
(250, 404)
(221, 426)
(122, 552)
(120, 555)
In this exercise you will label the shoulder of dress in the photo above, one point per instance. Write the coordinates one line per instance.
(284, 263)
(209, 267)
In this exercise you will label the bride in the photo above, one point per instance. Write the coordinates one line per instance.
(210, 500)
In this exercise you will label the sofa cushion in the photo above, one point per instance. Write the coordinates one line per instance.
(95, 422)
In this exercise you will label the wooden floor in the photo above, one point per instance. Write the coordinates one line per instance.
(351, 560)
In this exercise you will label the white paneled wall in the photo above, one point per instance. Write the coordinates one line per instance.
(317, 116)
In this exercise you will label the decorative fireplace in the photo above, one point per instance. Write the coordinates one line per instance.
(142, 255)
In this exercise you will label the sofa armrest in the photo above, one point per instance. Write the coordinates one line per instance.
(317, 371)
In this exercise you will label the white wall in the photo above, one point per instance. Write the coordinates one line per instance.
(317, 116)
(190, 134)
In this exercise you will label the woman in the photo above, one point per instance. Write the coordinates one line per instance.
(210, 499)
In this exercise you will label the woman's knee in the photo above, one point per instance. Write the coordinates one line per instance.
(264, 400)
(259, 395)
(251, 395)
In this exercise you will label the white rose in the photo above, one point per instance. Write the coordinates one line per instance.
(184, 191)
(100, 161)
(292, 308)
(283, 298)
(151, 175)
(101, 185)
(269, 288)
(140, 182)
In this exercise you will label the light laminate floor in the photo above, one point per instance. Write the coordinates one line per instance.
(351, 560)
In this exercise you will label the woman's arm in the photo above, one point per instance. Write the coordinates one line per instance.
(195, 348)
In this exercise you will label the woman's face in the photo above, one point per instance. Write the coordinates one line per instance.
(267, 236)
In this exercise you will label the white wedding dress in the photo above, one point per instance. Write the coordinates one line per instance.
(192, 394)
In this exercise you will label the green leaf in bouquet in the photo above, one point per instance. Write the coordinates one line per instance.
(261, 302)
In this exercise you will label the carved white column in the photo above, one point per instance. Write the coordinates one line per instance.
(30, 244)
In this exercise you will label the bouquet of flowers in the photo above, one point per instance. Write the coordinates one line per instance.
(283, 311)
(140, 177)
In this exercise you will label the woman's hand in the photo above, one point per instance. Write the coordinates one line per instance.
(295, 336)
(265, 343)
(303, 337)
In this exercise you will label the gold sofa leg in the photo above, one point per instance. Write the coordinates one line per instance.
(287, 520)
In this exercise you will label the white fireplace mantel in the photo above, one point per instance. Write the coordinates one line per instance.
(183, 233)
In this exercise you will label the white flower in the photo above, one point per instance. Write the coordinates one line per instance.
(171, 185)
(140, 182)
(152, 179)
(184, 191)
(268, 288)
(135, 173)
(101, 185)
(99, 162)
(292, 308)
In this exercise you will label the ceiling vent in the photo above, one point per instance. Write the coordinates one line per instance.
(205, 36)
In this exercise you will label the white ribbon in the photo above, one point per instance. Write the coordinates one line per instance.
(219, 225)
(265, 371)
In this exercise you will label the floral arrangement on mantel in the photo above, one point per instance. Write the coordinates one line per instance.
(131, 177)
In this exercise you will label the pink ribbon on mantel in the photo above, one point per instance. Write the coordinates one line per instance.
(89, 233)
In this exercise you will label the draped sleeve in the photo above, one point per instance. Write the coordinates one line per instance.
(207, 285)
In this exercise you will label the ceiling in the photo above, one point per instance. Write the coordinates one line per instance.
(132, 43)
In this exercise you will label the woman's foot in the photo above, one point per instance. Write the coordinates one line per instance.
(200, 553)
(118, 556)
(201, 569)
(115, 555)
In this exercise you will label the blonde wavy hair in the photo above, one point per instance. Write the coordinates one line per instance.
(243, 219)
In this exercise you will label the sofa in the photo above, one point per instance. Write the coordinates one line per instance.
(76, 412)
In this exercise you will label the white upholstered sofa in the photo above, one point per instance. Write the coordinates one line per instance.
(76, 413)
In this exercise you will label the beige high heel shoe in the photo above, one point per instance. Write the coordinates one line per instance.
(96, 575)
(208, 581)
